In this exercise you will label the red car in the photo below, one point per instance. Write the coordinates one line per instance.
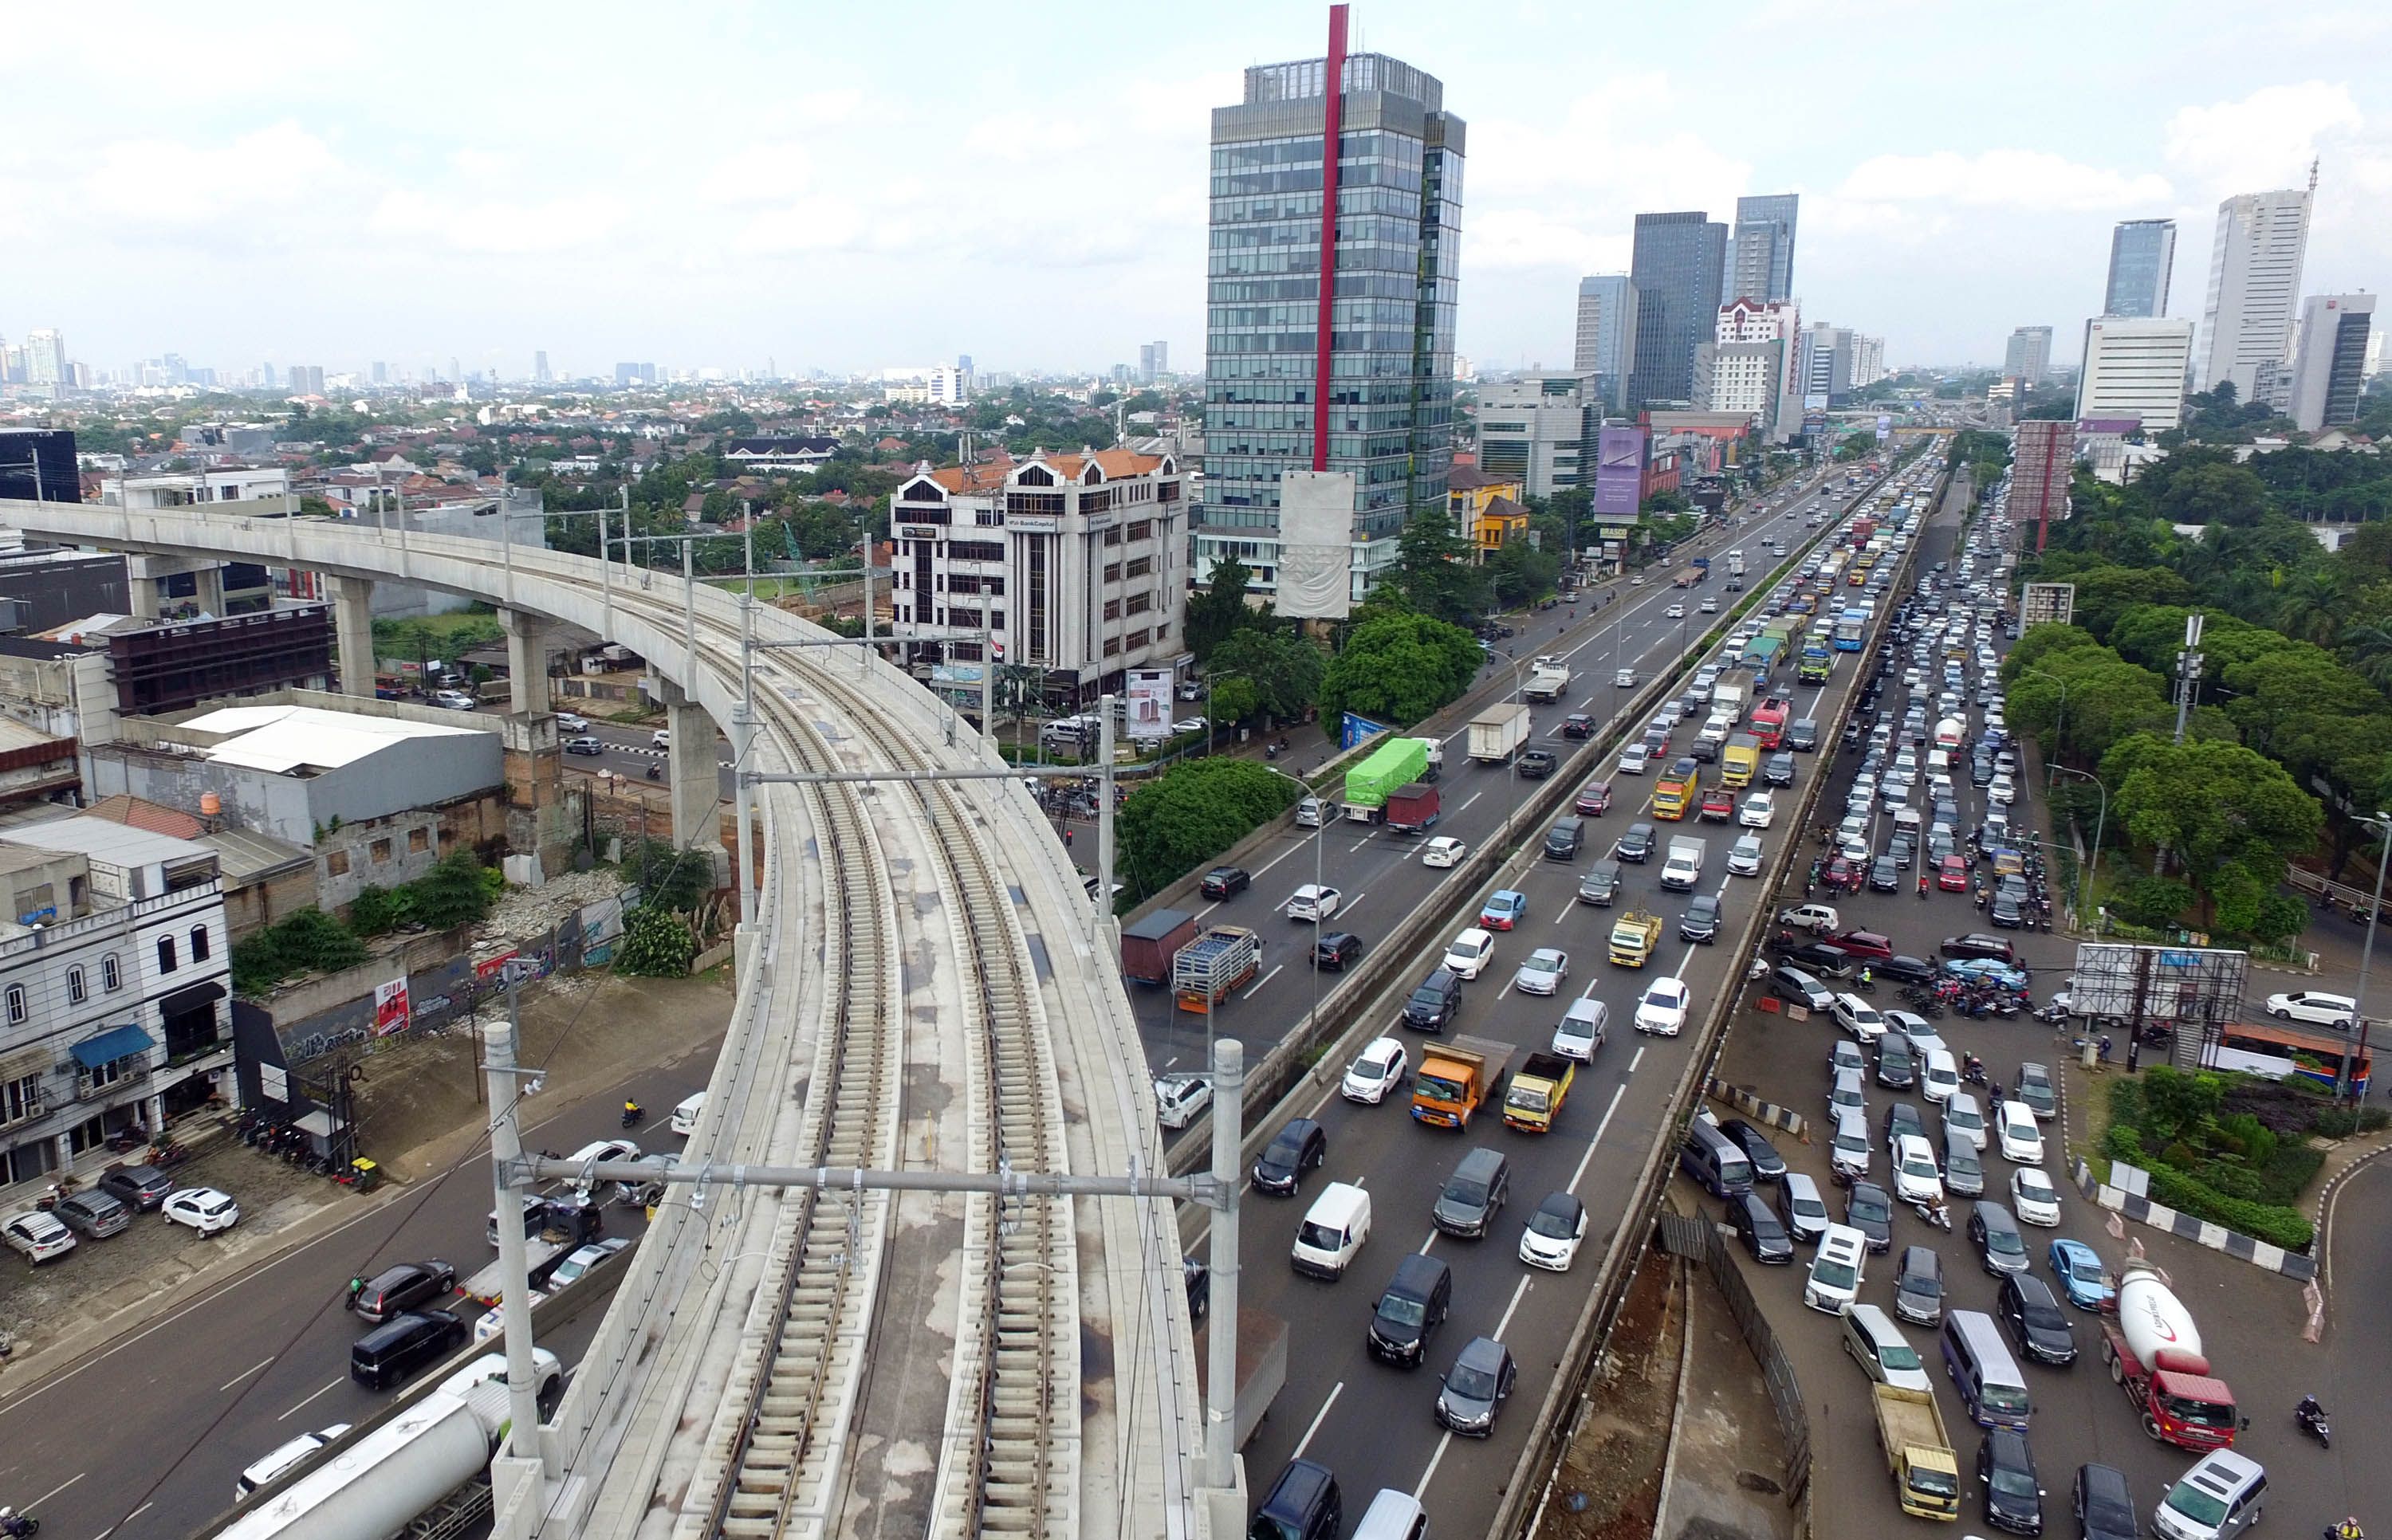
(1952, 876)
(1865, 944)
(1842, 874)
(1719, 804)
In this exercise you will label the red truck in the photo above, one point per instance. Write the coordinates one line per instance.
(2153, 1353)
(1769, 722)
(1411, 809)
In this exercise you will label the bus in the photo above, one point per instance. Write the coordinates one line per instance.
(1851, 627)
(2277, 1053)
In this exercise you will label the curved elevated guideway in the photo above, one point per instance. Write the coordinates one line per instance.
(923, 985)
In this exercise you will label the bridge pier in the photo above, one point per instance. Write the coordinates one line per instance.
(693, 771)
(353, 632)
(528, 693)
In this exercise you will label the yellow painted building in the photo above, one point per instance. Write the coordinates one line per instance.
(1486, 505)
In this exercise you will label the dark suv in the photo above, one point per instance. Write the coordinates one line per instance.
(1336, 950)
(387, 1354)
(1435, 1003)
(1536, 764)
(1224, 881)
(400, 1289)
(140, 1188)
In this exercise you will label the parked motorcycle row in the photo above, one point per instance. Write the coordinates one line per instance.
(295, 1147)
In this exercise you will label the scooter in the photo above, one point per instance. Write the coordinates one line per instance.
(2313, 1423)
(655, 773)
(1937, 1214)
(633, 1113)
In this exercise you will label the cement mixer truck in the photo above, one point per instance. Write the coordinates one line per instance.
(2153, 1352)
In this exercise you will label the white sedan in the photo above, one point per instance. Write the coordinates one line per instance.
(1469, 951)
(1675, 612)
(2034, 1198)
(204, 1209)
(1376, 1070)
(1444, 851)
(1542, 972)
(1662, 1012)
(2323, 1010)
(2021, 1135)
(1758, 810)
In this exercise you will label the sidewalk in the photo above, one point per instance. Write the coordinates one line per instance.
(1609, 1484)
(1727, 1474)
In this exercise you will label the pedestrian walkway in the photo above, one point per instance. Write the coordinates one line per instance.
(1727, 1468)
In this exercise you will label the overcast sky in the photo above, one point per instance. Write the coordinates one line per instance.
(850, 187)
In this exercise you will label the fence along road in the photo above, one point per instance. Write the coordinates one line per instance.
(744, 1302)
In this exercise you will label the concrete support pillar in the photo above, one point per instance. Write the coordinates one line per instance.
(693, 766)
(209, 583)
(526, 663)
(353, 632)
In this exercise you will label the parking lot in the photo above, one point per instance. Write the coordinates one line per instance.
(2250, 1320)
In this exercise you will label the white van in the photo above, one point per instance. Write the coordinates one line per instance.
(1393, 1516)
(1877, 1345)
(1582, 1029)
(1333, 1232)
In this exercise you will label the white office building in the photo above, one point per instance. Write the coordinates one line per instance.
(2330, 366)
(2027, 356)
(1753, 366)
(1534, 432)
(2255, 285)
(2135, 368)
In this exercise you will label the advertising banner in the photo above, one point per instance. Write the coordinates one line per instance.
(1356, 729)
(1150, 705)
(391, 1010)
(1619, 471)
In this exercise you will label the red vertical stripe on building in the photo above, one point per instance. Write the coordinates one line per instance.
(1331, 122)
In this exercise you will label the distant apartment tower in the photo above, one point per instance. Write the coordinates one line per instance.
(2028, 356)
(2255, 285)
(1676, 264)
(1752, 365)
(305, 380)
(2136, 367)
(539, 375)
(1869, 360)
(1760, 259)
(2041, 464)
(1538, 431)
(2330, 364)
(627, 375)
(2142, 258)
(1317, 381)
(380, 372)
(1153, 361)
(46, 360)
(1607, 334)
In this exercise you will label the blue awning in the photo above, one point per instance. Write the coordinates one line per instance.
(116, 1043)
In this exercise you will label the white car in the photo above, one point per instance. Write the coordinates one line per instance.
(1313, 902)
(38, 1235)
(1744, 857)
(582, 1258)
(1554, 1231)
(1179, 1099)
(685, 1115)
(2034, 1198)
(1444, 851)
(1961, 1116)
(2323, 1010)
(1924, 1037)
(1468, 953)
(660, 738)
(1662, 1011)
(1625, 678)
(1917, 1178)
(1836, 1273)
(572, 722)
(547, 1370)
(1675, 612)
(1858, 1016)
(605, 1149)
(272, 1464)
(1376, 1070)
(1543, 972)
(1635, 759)
(1758, 810)
(204, 1209)
(2001, 791)
(2021, 1135)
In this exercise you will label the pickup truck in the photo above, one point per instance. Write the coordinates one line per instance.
(1917, 1452)
(1456, 1077)
(1539, 1088)
(1547, 683)
(1633, 936)
(1683, 866)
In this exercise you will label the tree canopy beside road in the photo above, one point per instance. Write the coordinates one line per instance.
(1192, 813)
(1397, 667)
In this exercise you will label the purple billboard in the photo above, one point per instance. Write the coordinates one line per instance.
(1619, 472)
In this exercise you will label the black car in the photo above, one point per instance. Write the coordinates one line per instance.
(1435, 1003)
(397, 1289)
(1869, 1210)
(1884, 875)
(2006, 1471)
(1301, 1146)
(1636, 844)
(1198, 1279)
(1701, 921)
(2104, 1504)
(1918, 1285)
(398, 1347)
(1978, 944)
(1767, 1164)
(1901, 1119)
(1822, 958)
(1536, 764)
(1906, 969)
(140, 1188)
(1897, 1068)
(1336, 950)
(2006, 914)
(1904, 848)
(1756, 1224)
(1578, 725)
(2036, 1321)
(1224, 882)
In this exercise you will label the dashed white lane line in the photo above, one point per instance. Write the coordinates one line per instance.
(1306, 1442)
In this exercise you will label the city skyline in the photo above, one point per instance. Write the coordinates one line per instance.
(311, 222)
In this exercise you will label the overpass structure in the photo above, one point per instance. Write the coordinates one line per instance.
(922, 984)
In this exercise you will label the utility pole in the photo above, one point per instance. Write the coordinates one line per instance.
(2366, 957)
(515, 1305)
(2188, 672)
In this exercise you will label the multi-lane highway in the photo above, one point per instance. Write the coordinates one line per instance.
(1370, 1423)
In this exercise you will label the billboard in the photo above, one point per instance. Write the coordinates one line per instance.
(1150, 705)
(1316, 544)
(1884, 428)
(1619, 471)
(1355, 728)
(391, 1012)
(2047, 604)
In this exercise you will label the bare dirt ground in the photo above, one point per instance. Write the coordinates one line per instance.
(1610, 1484)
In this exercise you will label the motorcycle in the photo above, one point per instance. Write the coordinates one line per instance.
(18, 1525)
(1975, 1071)
(655, 774)
(2312, 1421)
(633, 1114)
(1937, 1214)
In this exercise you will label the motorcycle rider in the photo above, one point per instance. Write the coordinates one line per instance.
(1868, 976)
(2308, 1410)
(13, 1523)
(2348, 1530)
(633, 1112)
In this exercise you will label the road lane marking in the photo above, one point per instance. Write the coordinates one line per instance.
(56, 1490)
(1442, 1446)
(1517, 1293)
(1466, 806)
(1355, 849)
(1265, 979)
(1306, 1442)
(334, 1386)
(111, 1529)
(1617, 1091)
(1431, 1241)
(245, 1373)
(1638, 1058)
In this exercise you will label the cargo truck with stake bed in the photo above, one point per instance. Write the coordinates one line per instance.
(1498, 733)
(1455, 1078)
(1633, 936)
(1917, 1452)
(1210, 967)
(1397, 762)
(1539, 1087)
(2152, 1351)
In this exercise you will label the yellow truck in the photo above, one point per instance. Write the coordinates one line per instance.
(1455, 1078)
(1539, 1088)
(1633, 936)
(1741, 761)
(1918, 1453)
(1673, 791)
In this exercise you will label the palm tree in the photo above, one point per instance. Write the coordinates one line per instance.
(2307, 607)
(2368, 651)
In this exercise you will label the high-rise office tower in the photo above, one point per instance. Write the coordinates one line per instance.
(46, 358)
(1304, 377)
(539, 375)
(380, 373)
(2142, 256)
(2330, 364)
(2028, 356)
(2135, 368)
(1760, 259)
(2255, 285)
(1153, 361)
(1827, 364)
(1607, 334)
(1675, 265)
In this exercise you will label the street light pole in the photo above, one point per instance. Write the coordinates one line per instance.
(2367, 954)
(2100, 819)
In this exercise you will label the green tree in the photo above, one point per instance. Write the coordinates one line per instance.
(657, 943)
(1284, 671)
(1219, 608)
(1519, 574)
(453, 893)
(1397, 668)
(1434, 571)
(1190, 814)
(2210, 804)
(2177, 1106)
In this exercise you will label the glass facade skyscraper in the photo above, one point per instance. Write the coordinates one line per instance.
(1389, 376)
(1760, 258)
(1676, 266)
(2142, 257)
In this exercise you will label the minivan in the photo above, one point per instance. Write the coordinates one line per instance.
(2218, 1500)
(1803, 733)
(403, 1345)
(1800, 1205)
(1715, 1160)
(1333, 1230)
(1309, 812)
(1435, 1003)
(1581, 1031)
(1411, 1307)
(1878, 1346)
(1473, 1193)
(1303, 1503)
(1393, 1516)
(1565, 839)
(1981, 1369)
(1796, 988)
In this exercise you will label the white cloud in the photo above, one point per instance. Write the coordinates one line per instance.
(200, 186)
(2264, 140)
(2000, 178)
(497, 227)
